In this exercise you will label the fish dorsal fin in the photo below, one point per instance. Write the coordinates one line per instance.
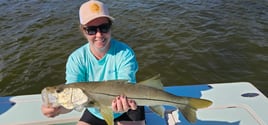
(154, 82)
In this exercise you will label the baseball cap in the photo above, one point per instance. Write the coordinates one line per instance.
(91, 10)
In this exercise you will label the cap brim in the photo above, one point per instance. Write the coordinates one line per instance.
(93, 18)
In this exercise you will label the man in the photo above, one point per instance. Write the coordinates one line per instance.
(102, 58)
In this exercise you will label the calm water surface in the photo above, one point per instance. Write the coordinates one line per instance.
(186, 41)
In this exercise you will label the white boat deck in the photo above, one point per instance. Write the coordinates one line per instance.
(233, 104)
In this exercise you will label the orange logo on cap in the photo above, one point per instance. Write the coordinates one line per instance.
(95, 8)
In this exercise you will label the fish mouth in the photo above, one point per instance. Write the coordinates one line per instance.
(49, 99)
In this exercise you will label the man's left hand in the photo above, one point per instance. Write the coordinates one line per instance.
(123, 104)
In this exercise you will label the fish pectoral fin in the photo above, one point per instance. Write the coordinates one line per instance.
(153, 82)
(79, 108)
(107, 114)
(158, 110)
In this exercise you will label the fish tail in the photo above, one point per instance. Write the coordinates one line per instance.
(189, 112)
(199, 103)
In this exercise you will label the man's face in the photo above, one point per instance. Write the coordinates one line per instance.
(98, 34)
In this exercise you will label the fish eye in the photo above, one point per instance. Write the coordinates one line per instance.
(60, 89)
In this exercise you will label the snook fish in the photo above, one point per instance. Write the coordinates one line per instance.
(100, 95)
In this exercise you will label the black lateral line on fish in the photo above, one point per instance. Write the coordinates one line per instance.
(140, 98)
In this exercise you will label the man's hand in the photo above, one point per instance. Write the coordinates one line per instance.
(51, 112)
(123, 104)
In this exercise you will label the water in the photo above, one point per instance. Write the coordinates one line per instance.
(187, 41)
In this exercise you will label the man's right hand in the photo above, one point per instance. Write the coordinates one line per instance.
(50, 111)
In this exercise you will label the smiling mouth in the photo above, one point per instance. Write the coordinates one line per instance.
(102, 40)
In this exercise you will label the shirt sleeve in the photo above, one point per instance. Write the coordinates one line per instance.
(128, 67)
(74, 70)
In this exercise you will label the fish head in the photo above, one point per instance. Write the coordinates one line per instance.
(68, 97)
